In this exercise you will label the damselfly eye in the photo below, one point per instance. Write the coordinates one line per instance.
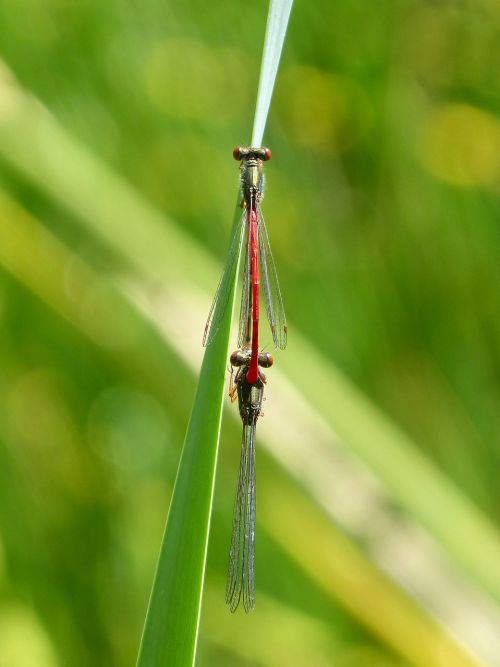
(237, 358)
(266, 154)
(265, 360)
(237, 153)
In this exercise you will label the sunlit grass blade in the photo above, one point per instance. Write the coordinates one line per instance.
(344, 572)
(171, 626)
(36, 145)
(277, 23)
(414, 482)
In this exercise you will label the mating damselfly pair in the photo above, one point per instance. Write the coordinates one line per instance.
(247, 385)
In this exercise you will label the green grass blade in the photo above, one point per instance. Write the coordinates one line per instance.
(172, 621)
(171, 627)
(277, 23)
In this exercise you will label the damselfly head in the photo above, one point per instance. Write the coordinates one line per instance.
(244, 153)
(265, 359)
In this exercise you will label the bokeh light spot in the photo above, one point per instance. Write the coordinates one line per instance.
(24, 641)
(461, 144)
(322, 111)
(193, 82)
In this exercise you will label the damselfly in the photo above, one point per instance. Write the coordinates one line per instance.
(241, 573)
(258, 264)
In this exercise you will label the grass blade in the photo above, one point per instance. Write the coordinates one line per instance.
(410, 477)
(277, 22)
(171, 627)
(172, 621)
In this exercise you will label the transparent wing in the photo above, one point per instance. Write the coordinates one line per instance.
(221, 298)
(241, 573)
(269, 277)
(244, 331)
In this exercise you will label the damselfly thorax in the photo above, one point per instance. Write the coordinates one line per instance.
(257, 263)
(252, 173)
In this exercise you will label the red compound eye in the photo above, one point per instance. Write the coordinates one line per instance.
(237, 152)
(237, 358)
(265, 360)
(267, 154)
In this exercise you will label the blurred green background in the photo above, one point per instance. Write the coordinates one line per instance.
(117, 122)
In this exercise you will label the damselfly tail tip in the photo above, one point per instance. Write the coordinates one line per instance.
(233, 602)
(210, 333)
(248, 604)
(280, 339)
(285, 337)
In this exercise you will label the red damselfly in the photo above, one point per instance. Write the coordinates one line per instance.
(258, 264)
(241, 572)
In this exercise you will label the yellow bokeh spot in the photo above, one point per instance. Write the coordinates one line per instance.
(461, 145)
(187, 80)
(325, 112)
(24, 640)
